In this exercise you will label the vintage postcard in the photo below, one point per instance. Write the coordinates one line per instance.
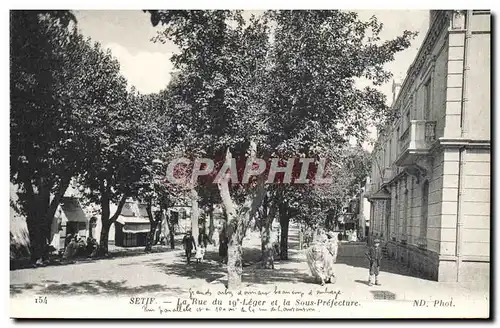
(250, 163)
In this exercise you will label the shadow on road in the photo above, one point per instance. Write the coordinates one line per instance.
(364, 282)
(212, 271)
(92, 287)
(258, 276)
(346, 256)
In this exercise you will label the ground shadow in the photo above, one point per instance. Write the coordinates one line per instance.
(211, 270)
(257, 276)
(114, 254)
(93, 287)
(387, 265)
(364, 282)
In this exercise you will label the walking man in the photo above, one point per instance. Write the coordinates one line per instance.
(189, 243)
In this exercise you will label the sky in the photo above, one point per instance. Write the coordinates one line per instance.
(146, 65)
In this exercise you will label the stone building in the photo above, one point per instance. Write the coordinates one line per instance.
(430, 183)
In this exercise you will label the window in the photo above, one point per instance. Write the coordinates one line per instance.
(425, 205)
(405, 209)
(428, 102)
(387, 219)
(407, 124)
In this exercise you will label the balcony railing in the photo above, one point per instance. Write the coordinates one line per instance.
(419, 135)
(404, 140)
(416, 141)
(387, 175)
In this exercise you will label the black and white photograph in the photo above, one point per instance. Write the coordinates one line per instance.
(224, 163)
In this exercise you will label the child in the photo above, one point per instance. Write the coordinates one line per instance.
(200, 253)
(374, 255)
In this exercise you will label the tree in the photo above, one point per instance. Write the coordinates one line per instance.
(116, 154)
(221, 63)
(45, 119)
(153, 127)
(318, 58)
(236, 85)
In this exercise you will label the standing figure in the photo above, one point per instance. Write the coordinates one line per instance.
(320, 263)
(200, 253)
(203, 239)
(374, 256)
(223, 244)
(189, 243)
(332, 245)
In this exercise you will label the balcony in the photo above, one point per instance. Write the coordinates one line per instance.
(416, 141)
(387, 175)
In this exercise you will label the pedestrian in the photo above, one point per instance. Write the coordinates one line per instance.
(203, 239)
(320, 263)
(374, 256)
(200, 253)
(223, 244)
(189, 243)
(333, 245)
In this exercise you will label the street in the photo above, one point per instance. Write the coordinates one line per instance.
(167, 274)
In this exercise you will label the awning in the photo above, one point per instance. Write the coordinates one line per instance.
(73, 211)
(134, 224)
(136, 228)
(122, 219)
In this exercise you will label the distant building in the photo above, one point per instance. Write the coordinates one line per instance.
(430, 188)
(72, 217)
(132, 225)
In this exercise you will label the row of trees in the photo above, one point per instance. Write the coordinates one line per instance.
(279, 85)
(72, 117)
(283, 84)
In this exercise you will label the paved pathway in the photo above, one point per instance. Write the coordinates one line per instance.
(167, 274)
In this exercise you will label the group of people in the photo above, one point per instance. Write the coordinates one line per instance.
(322, 255)
(198, 249)
(77, 246)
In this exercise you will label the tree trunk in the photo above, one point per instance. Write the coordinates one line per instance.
(195, 215)
(234, 262)
(35, 233)
(171, 232)
(284, 223)
(41, 211)
(106, 220)
(211, 226)
(38, 232)
(267, 246)
(238, 222)
(152, 227)
(103, 240)
(266, 243)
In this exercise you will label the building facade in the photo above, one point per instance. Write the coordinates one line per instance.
(430, 182)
